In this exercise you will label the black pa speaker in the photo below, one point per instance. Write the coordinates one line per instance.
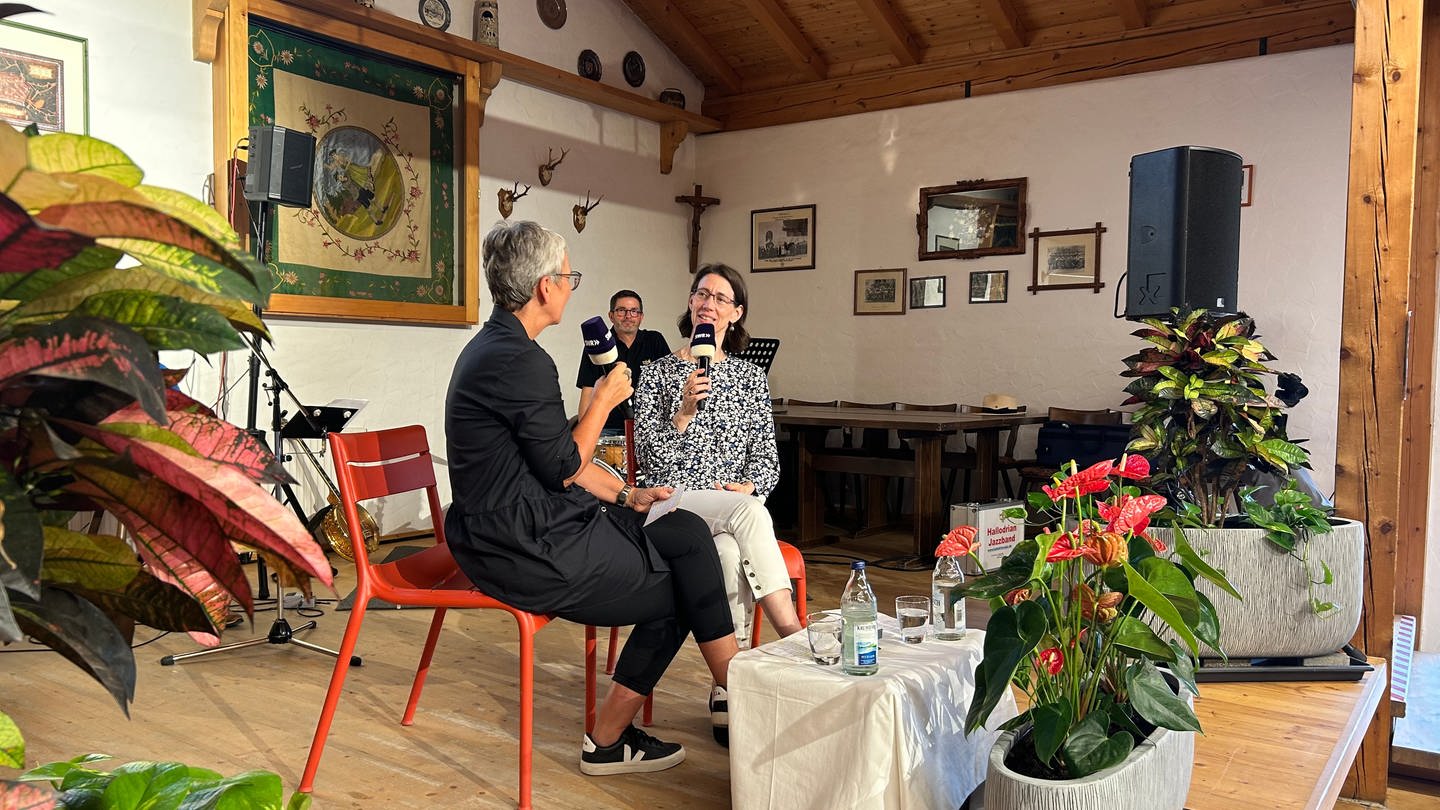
(280, 166)
(1184, 231)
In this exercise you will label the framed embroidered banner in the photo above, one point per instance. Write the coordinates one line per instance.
(385, 237)
(42, 79)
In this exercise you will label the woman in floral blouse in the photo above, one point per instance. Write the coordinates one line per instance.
(724, 455)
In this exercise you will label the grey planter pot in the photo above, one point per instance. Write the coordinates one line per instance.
(1274, 620)
(1156, 776)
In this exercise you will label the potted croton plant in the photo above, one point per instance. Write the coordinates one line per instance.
(1109, 721)
(1220, 454)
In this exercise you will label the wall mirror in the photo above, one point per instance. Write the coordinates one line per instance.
(971, 219)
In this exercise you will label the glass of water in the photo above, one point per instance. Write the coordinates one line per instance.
(913, 613)
(823, 630)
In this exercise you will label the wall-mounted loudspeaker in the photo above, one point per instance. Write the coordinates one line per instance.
(1184, 231)
(280, 166)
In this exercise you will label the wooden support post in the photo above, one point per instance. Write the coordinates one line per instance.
(698, 202)
(1379, 244)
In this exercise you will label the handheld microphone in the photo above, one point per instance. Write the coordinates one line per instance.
(702, 348)
(599, 342)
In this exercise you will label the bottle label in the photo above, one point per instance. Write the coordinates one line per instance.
(867, 643)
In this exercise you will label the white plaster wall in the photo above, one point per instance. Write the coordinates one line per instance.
(1287, 114)
(149, 97)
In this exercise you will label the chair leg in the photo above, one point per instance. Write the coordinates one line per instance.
(647, 717)
(612, 652)
(527, 705)
(589, 678)
(424, 669)
(332, 695)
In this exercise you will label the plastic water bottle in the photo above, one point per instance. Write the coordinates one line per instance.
(859, 625)
(947, 606)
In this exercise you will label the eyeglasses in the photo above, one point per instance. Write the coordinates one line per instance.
(705, 297)
(633, 313)
(572, 276)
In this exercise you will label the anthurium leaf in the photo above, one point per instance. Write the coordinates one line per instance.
(26, 245)
(1207, 627)
(1010, 636)
(67, 293)
(67, 152)
(1167, 578)
(90, 350)
(1197, 565)
(25, 287)
(156, 604)
(1132, 634)
(199, 272)
(9, 627)
(27, 795)
(1141, 590)
(165, 322)
(1183, 667)
(246, 512)
(1087, 749)
(180, 541)
(22, 544)
(1052, 721)
(81, 633)
(1155, 701)
(95, 561)
(12, 744)
(215, 439)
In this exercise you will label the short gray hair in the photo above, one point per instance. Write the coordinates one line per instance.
(516, 256)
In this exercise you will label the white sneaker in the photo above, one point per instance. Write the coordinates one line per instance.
(634, 752)
(720, 714)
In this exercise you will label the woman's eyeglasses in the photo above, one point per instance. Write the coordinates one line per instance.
(572, 276)
(705, 296)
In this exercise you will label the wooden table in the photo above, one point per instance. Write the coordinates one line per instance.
(1280, 743)
(927, 431)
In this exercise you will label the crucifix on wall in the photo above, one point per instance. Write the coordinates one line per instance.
(698, 202)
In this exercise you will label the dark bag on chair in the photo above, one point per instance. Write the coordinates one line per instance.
(1060, 442)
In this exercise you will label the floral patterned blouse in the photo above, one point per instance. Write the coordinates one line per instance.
(732, 439)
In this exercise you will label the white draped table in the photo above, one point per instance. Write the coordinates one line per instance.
(809, 736)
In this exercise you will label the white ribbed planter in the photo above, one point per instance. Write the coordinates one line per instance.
(1156, 776)
(1274, 620)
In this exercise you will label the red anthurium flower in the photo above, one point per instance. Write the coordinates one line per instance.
(1052, 661)
(1094, 478)
(1065, 548)
(1016, 596)
(959, 542)
(1130, 514)
(1136, 467)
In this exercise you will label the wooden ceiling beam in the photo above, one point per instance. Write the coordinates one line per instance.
(672, 21)
(1007, 23)
(892, 29)
(1305, 24)
(1133, 13)
(784, 31)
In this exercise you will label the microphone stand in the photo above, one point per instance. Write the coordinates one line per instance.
(280, 630)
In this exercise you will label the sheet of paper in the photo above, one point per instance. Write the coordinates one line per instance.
(660, 508)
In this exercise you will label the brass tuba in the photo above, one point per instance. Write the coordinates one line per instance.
(328, 526)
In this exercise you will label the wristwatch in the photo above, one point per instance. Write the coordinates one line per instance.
(623, 496)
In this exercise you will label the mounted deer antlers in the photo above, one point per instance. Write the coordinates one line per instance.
(508, 196)
(580, 211)
(547, 169)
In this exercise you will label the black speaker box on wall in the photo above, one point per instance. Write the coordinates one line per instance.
(281, 162)
(1184, 231)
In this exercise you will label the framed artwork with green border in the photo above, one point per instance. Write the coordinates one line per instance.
(384, 237)
(43, 78)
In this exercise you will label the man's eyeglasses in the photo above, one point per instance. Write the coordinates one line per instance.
(633, 313)
(572, 276)
(705, 296)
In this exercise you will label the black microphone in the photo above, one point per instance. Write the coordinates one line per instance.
(702, 348)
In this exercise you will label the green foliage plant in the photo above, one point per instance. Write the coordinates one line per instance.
(79, 785)
(1073, 624)
(1289, 521)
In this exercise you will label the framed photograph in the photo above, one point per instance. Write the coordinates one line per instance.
(43, 77)
(1247, 185)
(782, 239)
(946, 243)
(880, 292)
(989, 286)
(391, 232)
(1067, 260)
(927, 292)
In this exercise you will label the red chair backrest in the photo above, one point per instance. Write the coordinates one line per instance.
(379, 463)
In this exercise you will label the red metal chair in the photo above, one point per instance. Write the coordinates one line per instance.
(795, 567)
(388, 462)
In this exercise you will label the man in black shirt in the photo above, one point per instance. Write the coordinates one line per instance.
(637, 348)
(537, 526)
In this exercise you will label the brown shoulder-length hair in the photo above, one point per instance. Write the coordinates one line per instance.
(736, 338)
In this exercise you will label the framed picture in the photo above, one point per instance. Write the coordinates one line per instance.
(946, 243)
(880, 292)
(927, 292)
(989, 286)
(782, 239)
(391, 233)
(43, 77)
(1067, 260)
(1247, 185)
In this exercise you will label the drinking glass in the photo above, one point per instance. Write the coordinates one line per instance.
(823, 630)
(913, 613)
